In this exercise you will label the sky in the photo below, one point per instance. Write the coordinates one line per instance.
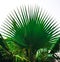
(51, 6)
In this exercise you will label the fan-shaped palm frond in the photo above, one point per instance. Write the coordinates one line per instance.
(31, 28)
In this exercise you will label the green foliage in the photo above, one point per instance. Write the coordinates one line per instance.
(43, 55)
(9, 51)
(31, 29)
(16, 51)
(5, 55)
(56, 47)
(3, 43)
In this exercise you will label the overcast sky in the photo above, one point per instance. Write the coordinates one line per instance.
(52, 6)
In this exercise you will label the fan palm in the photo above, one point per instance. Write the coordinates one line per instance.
(31, 29)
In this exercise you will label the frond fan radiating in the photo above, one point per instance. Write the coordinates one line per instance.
(31, 28)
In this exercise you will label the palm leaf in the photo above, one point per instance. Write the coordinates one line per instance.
(31, 29)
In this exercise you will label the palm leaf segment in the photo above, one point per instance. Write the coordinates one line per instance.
(31, 28)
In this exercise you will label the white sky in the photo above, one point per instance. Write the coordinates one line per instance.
(52, 6)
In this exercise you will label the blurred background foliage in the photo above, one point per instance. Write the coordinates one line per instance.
(14, 53)
(11, 52)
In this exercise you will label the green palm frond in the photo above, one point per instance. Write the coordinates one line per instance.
(31, 28)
